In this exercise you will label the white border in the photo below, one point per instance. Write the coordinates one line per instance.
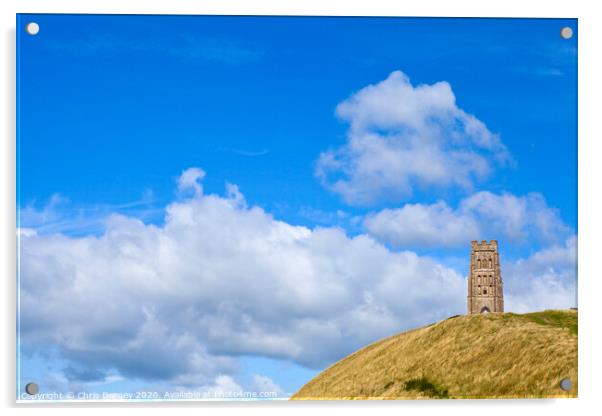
(590, 206)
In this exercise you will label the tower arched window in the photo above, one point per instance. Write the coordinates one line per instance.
(478, 263)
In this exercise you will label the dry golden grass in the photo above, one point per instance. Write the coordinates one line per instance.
(474, 356)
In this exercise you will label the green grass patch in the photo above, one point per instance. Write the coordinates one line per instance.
(560, 319)
(423, 385)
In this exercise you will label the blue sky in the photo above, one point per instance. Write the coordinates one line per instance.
(149, 117)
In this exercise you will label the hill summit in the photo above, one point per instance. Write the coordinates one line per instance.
(496, 355)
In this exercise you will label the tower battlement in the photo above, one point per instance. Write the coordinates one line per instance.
(485, 286)
(484, 244)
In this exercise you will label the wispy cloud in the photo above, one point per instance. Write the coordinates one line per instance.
(199, 48)
(553, 59)
(539, 71)
(244, 152)
(338, 218)
(59, 215)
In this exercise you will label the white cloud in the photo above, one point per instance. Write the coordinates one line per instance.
(27, 232)
(29, 216)
(179, 302)
(226, 387)
(545, 280)
(403, 136)
(266, 384)
(57, 215)
(189, 180)
(483, 215)
(420, 225)
(223, 386)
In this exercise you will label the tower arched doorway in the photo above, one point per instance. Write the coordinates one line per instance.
(485, 309)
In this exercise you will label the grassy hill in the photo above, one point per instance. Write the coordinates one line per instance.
(473, 356)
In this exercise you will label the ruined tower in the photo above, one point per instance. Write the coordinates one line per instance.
(485, 287)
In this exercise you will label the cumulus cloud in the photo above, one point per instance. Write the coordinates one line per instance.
(223, 386)
(266, 384)
(420, 225)
(227, 387)
(545, 280)
(403, 136)
(181, 301)
(482, 215)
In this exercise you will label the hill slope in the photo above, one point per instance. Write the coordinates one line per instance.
(473, 356)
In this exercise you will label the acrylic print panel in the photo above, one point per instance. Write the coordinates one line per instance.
(226, 208)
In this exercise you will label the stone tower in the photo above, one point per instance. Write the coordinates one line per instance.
(485, 286)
